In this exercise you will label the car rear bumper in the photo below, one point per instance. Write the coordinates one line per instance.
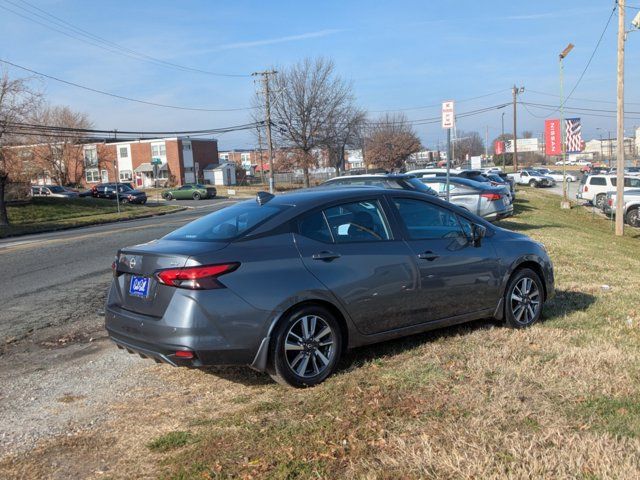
(499, 214)
(228, 334)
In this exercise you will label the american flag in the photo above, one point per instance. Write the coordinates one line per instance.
(573, 135)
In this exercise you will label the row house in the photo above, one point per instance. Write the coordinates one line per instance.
(181, 160)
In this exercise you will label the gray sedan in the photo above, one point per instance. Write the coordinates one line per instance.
(287, 283)
(483, 199)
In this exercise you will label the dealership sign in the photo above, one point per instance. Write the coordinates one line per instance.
(552, 140)
(524, 145)
(498, 147)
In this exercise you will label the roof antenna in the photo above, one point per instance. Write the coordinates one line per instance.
(263, 197)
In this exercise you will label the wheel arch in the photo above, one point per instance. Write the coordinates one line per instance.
(529, 261)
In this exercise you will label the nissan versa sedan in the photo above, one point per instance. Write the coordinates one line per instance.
(285, 284)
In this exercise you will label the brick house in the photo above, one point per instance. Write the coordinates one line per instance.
(183, 160)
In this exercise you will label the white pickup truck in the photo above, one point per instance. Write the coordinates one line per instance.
(532, 178)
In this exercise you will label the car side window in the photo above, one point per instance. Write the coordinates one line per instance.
(185, 187)
(598, 181)
(315, 226)
(357, 222)
(425, 221)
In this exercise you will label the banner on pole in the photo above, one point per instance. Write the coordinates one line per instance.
(573, 135)
(498, 147)
(552, 141)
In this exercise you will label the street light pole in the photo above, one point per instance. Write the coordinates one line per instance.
(504, 161)
(565, 201)
(620, 122)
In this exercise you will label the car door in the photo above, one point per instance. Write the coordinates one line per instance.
(184, 192)
(456, 277)
(350, 249)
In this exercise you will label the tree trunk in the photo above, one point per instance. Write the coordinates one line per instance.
(4, 218)
(305, 171)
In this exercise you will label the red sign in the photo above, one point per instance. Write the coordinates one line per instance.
(498, 147)
(552, 137)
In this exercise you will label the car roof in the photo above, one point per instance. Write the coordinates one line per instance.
(372, 176)
(460, 180)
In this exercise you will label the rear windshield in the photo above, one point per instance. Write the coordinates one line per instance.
(419, 186)
(227, 223)
(56, 189)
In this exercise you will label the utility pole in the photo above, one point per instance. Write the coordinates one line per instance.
(515, 130)
(486, 141)
(565, 201)
(610, 150)
(267, 101)
(261, 160)
(620, 122)
(504, 159)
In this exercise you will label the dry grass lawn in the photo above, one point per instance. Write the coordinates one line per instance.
(559, 400)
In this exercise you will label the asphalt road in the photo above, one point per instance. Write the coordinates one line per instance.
(52, 278)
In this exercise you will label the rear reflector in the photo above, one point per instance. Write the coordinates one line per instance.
(195, 278)
(184, 354)
(491, 196)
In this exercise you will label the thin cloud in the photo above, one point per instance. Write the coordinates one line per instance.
(533, 16)
(273, 41)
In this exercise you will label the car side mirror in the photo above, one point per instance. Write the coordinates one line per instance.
(477, 234)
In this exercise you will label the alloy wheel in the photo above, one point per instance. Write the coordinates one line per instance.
(525, 301)
(309, 346)
(633, 218)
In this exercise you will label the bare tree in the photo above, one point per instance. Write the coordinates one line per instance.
(17, 102)
(306, 96)
(343, 131)
(469, 144)
(390, 142)
(61, 153)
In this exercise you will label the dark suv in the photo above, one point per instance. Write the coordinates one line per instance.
(126, 194)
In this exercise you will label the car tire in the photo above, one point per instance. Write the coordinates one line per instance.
(305, 356)
(124, 201)
(523, 299)
(533, 184)
(600, 199)
(197, 196)
(633, 217)
(168, 196)
(569, 179)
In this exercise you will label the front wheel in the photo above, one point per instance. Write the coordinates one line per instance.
(306, 349)
(633, 217)
(168, 196)
(533, 184)
(197, 196)
(523, 299)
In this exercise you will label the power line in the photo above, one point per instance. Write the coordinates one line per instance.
(99, 42)
(439, 104)
(579, 99)
(121, 97)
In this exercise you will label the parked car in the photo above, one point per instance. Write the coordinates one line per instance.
(631, 208)
(287, 283)
(502, 180)
(192, 191)
(475, 175)
(482, 199)
(557, 175)
(594, 188)
(532, 178)
(55, 191)
(126, 194)
(397, 181)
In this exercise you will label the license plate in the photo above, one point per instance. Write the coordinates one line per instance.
(139, 286)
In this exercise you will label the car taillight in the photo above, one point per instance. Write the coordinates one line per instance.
(203, 277)
(585, 188)
(610, 202)
(492, 197)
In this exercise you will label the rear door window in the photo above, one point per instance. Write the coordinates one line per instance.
(598, 181)
(357, 222)
(315, 226)
(425, 221)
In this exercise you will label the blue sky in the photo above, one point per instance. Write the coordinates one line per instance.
(398, 55)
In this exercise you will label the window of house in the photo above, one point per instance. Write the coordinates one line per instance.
(92, 175)
(224, 156)
(245, 158)
(158, 150)
(90, 156)
(104, 176)
(124, 152)
(126, 175)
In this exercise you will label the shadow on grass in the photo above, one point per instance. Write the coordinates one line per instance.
(525, 226)
(520, 206)
(564, 303)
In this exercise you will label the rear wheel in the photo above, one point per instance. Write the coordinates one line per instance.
(197, 196)
(306, 348)
(124, 201)
(600, 198)
(633, 217)
(523, 299)
(533, 183)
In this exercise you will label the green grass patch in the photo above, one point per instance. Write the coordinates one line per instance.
(47, 214)
(171, 441)
(617, 416)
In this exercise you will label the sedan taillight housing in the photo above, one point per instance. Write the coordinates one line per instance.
(492, 197)
(202, 277)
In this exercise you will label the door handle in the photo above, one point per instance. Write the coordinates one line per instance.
(428, 255)
(325, 256)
